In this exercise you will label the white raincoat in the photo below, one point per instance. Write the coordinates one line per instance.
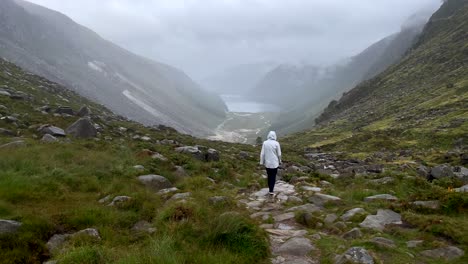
(271, 152)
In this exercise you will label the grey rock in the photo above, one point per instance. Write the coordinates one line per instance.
(139, 167)
(82, 128)
(143, 227)
(6, 132)
(14, 144)
(168, 190)
(51, 130)
(212, 155)
(355, 255)
(244, 155)
(84, 111)
(47, 138)
(462, 189)
(351, 213)
(375, 168)
(381, 219)
(155, 182)
(385, 180)
(330, 219)
(58, 241)
(159, 157)
(381, 197)
(9, 119)
(218, 200)
(180, 172)
(353, 234)
(433, 205)
(414, 243)
(194, 151)
(423, 171)
(119, 200)
(447, 253)
(65, 110)
(105, 199)
(297, 246)
(383, 242)
(321, 199)
(180, 196)
(9, 226)
(442, 171)
(309, 208)
(461, 173)
(88, 232)
(284, 217)
(4, 93)
(2, 107)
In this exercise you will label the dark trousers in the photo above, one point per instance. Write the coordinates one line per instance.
(271, 178)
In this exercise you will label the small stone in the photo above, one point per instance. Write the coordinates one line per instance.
(385, 180)
(432, 205)
(51, 130)
(353, 234)
(159, 157)
(381, 219)
(119, 200)
(330, 219)
(297, 246)
(321, 199)
(167, 191)
(351, 213)
(180, 196)
(414, 243)
(447, 253)
(310, 208)
(284, 217)
(6, 132)
(212, 155)
(355, 255)
(155, 182)
(105, 199)
(218, 200)
(381, 197)
(383, 242)
(311, 189)
(143, 227)
(49, 138)
(139, 167)
(9, 226)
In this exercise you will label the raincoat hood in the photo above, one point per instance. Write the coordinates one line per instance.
(272, 135)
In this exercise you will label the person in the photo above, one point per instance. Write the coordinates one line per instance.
(270, 157)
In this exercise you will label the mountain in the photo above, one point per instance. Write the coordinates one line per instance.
(340, 78)
(50, 44)
(422, 100)
(238, 79)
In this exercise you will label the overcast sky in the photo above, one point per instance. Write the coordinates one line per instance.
(204, 36)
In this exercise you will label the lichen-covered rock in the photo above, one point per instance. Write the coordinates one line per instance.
(355, 255)
(82, 128)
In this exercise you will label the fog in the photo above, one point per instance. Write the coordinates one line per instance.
(205, 36)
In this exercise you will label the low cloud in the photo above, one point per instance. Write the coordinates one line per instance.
(204, 36)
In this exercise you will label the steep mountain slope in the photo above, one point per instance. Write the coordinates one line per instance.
(52, 45)
(422, 101)
(237, 80)
(372, 61)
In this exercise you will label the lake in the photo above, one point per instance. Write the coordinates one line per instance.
(240, 104)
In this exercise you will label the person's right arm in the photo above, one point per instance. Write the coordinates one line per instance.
(262, 155)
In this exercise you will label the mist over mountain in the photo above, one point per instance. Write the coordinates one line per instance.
(50, 44)
(237, 80)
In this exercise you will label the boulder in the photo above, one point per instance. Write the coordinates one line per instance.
(462, 189)
(51, 130)
(308, 208)
(47, 138)
(84, 111)
(423, 171)
(58, 241)
(143, 227)
(194, 151)
(83, 128)
(355, 255)
(155, 182)
(14, 144)
(447, 253)
(65, 110)
(461, 173)
(432, 205)
(212, 155)
(442, 171)
(180, 196)
(383, 242)
(330, 219)
(218, 200)
(351, 213)
(321, 199)
(354, 233)
(6, 132)
(119, 200)
(9, 226)
(381, 197)
(381, 219)
(297, 246)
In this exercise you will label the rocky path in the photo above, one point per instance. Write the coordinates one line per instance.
(290, 242)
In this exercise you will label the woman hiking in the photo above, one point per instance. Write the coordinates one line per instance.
(270, 157)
